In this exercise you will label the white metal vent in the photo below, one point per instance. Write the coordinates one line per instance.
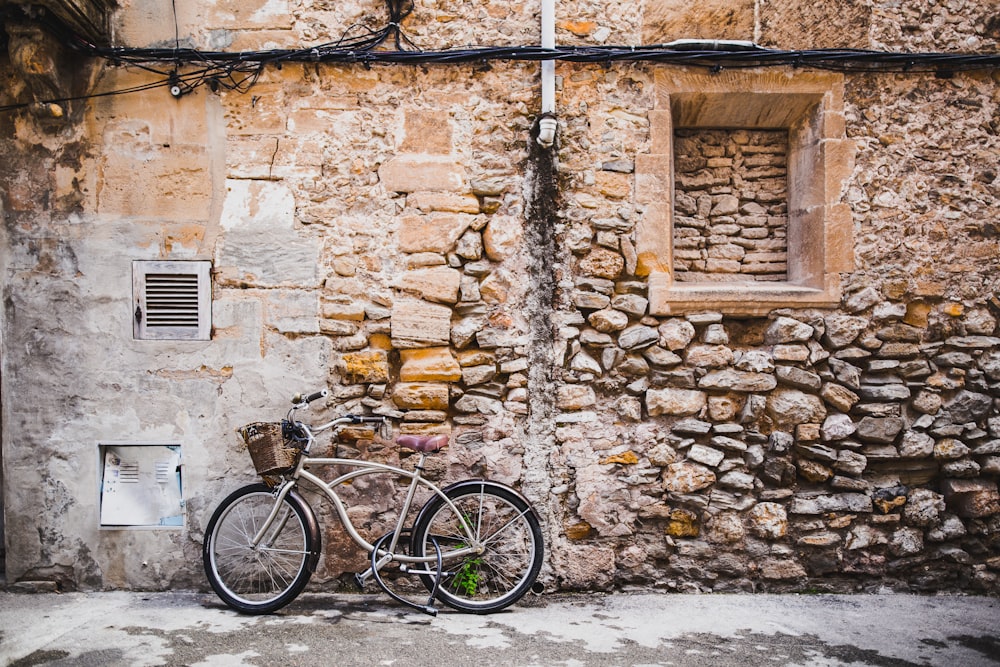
(172, 300)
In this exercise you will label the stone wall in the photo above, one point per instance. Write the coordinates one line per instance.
(394, 233)
(730, 205)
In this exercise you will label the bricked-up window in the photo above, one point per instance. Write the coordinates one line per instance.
(730, 205)
(172, 300)
(741, 192)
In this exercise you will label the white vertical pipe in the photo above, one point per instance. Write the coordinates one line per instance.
(548, 66)
(547, 123)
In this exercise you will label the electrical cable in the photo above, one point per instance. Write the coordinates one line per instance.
(359, 44)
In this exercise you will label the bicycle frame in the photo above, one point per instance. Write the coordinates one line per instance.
(327, 488)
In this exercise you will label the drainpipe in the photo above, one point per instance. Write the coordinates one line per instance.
(547, 122)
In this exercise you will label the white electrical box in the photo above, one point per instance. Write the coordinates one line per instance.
(141, 485)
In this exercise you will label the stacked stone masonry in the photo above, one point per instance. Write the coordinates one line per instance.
(376, 230)
(730, 205)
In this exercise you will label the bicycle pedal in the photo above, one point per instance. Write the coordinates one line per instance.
(359, 581)
(427, 609)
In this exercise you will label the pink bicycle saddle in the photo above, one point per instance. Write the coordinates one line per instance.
(425, 444)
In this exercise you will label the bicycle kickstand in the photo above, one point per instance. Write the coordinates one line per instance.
(376, 566)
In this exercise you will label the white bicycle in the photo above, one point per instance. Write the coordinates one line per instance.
(476, 545)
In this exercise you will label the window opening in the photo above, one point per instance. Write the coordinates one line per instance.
(730, 205)
(741, 193)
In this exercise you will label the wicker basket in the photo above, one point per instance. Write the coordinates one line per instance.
(271, 453)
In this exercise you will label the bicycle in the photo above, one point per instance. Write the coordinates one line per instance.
(475, 545)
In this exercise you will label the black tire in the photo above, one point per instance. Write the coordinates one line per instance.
(509, 529)
(262, 579)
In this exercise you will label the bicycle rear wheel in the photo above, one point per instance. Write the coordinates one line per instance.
(504, 523)
(263, 578)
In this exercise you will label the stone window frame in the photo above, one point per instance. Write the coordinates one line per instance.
(184, 328)
(810, 106)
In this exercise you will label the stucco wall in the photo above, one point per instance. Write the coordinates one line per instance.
(394, 233)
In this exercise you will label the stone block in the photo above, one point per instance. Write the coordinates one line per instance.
(638, 337)
(972, 498)
(420, 396)
(705, 455)
(664, 20)
(788, 407)
(823, 504)
(436, 364)
(683, 523)
(709, 356)
(435, 233)
(624, 458)
(602, 263)
(447, 202)
(685, 477)
(828, 25)
(879, 430)
(741, 381)
(680, 402)
(653, 183)
(779, 569)
(787, 330)
(502, 237)
(416, 324)
(422, 172)
(838, 396)
(768, 520)
(155, 182)
(426, 131)
(365, 367)
(575, 397)
(353, 311)
(439, 283)
(653, 246)
(676, 334)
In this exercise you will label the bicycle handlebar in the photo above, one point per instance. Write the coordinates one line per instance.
(299, 399)
(360, 419)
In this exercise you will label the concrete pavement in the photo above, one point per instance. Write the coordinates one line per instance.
(636, 628)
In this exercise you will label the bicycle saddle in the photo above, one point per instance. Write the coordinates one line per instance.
(424, 444)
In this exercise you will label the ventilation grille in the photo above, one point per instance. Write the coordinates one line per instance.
(171, 300)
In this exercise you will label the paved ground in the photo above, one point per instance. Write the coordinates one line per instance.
(622, 629)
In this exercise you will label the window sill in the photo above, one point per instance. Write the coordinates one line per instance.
(755, 299)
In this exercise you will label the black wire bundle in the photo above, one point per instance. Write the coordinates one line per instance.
(239, 71)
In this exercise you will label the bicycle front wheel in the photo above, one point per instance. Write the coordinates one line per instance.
(503, 522)
(261, 578)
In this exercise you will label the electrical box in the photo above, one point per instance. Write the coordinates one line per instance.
(140, 485)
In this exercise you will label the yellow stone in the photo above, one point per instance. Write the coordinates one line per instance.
(380, 341)
(614, 185)
(579, 531)
(917, 314)
(578, 28)
(367, 366)
(954, 309)
(420, 396)
(432, 364)
(625, 458)
(683, 524)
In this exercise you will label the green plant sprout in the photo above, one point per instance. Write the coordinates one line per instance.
(467, 578)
